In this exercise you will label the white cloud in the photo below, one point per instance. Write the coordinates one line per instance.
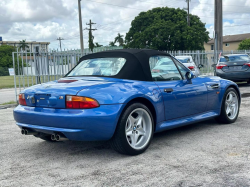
(46, 20)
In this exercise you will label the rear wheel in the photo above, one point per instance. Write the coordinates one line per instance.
(134, 130)
(230, 107)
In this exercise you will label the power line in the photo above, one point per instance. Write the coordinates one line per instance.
(91, 42)
(60, 41)
(236, 25)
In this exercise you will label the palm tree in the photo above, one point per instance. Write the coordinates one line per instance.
(98, 45)
(23, 45)
(119, 39)
(112, 44)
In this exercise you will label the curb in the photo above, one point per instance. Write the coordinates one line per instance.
(8, 106)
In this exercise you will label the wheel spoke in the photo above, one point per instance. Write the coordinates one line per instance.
(139, 122)
(132, 120)
(230, 98)
(133, 142)
(228, 110)
(136, 137)
(129, 132)
(141, 132)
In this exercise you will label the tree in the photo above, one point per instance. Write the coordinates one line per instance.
(119, 39)
(166, 29)
(91, 41)
(98, 45)
(112, 44)
(6, 60)
(244, 44)
(23, 45)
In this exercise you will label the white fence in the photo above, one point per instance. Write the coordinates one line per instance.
(35, 68)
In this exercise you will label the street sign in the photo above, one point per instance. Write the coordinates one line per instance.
(11, 71)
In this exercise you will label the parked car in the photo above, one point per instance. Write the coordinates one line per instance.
(235, 67)
(147, 92)
(189, 63)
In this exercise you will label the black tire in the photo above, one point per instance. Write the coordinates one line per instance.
(119, 141)
(45, 137)
(223, 118)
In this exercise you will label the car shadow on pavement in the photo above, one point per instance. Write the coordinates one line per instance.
(61, 150)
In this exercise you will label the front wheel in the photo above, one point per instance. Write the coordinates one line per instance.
(134, 130)
(230, 107)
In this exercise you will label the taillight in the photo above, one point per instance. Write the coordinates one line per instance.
(77, 102)
(191, 68)
(247, 64)
(22, 99)
(220, 66)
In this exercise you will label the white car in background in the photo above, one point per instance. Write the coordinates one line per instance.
(189, 63)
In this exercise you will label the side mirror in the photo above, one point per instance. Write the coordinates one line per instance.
(200, 66)
(189, 76)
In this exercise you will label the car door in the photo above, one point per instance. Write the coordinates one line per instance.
(180, 98)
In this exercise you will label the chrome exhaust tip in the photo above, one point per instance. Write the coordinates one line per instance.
(29, 132)
(53, 137)
(61, 138)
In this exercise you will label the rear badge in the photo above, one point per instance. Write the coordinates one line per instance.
(61, 97)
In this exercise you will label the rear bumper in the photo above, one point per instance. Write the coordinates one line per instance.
(79, 125)
(234, 76)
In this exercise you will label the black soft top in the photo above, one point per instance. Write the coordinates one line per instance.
(137, 62)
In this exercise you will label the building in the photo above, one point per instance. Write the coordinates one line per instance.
(230, 42)
(33, 46)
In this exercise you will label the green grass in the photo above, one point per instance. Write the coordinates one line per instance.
(9, 103)
(8, 81)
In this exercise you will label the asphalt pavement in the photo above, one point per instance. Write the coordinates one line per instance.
(202, 154)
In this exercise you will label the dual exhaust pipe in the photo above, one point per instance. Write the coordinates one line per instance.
(54, 137)
(28, 132)
(58, 137)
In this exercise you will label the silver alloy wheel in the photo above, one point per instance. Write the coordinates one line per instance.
(138, 128)
(232, 105)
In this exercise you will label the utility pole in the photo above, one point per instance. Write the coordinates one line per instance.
(80, 25)
(218, 29)
(188, 19)
(60, 39)
(218, 23)
(90, 34)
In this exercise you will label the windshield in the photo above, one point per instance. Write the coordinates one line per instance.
(235, 58)
(184, 60)
(98, 66)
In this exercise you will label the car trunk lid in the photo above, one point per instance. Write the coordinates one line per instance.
(235, 66)
(53, 94)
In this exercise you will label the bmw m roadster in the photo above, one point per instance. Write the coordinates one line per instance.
(124, 96)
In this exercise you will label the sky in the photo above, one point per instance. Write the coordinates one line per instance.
(46, 20)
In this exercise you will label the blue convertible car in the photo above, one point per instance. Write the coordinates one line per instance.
(125, 96)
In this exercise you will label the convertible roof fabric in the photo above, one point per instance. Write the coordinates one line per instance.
(137, 62)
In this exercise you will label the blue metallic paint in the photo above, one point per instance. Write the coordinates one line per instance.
(195, 102)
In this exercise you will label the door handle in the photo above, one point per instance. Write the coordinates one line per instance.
(168, 90)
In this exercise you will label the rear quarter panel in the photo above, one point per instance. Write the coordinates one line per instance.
(124, 91)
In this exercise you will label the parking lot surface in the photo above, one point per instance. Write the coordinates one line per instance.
(202, 154)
